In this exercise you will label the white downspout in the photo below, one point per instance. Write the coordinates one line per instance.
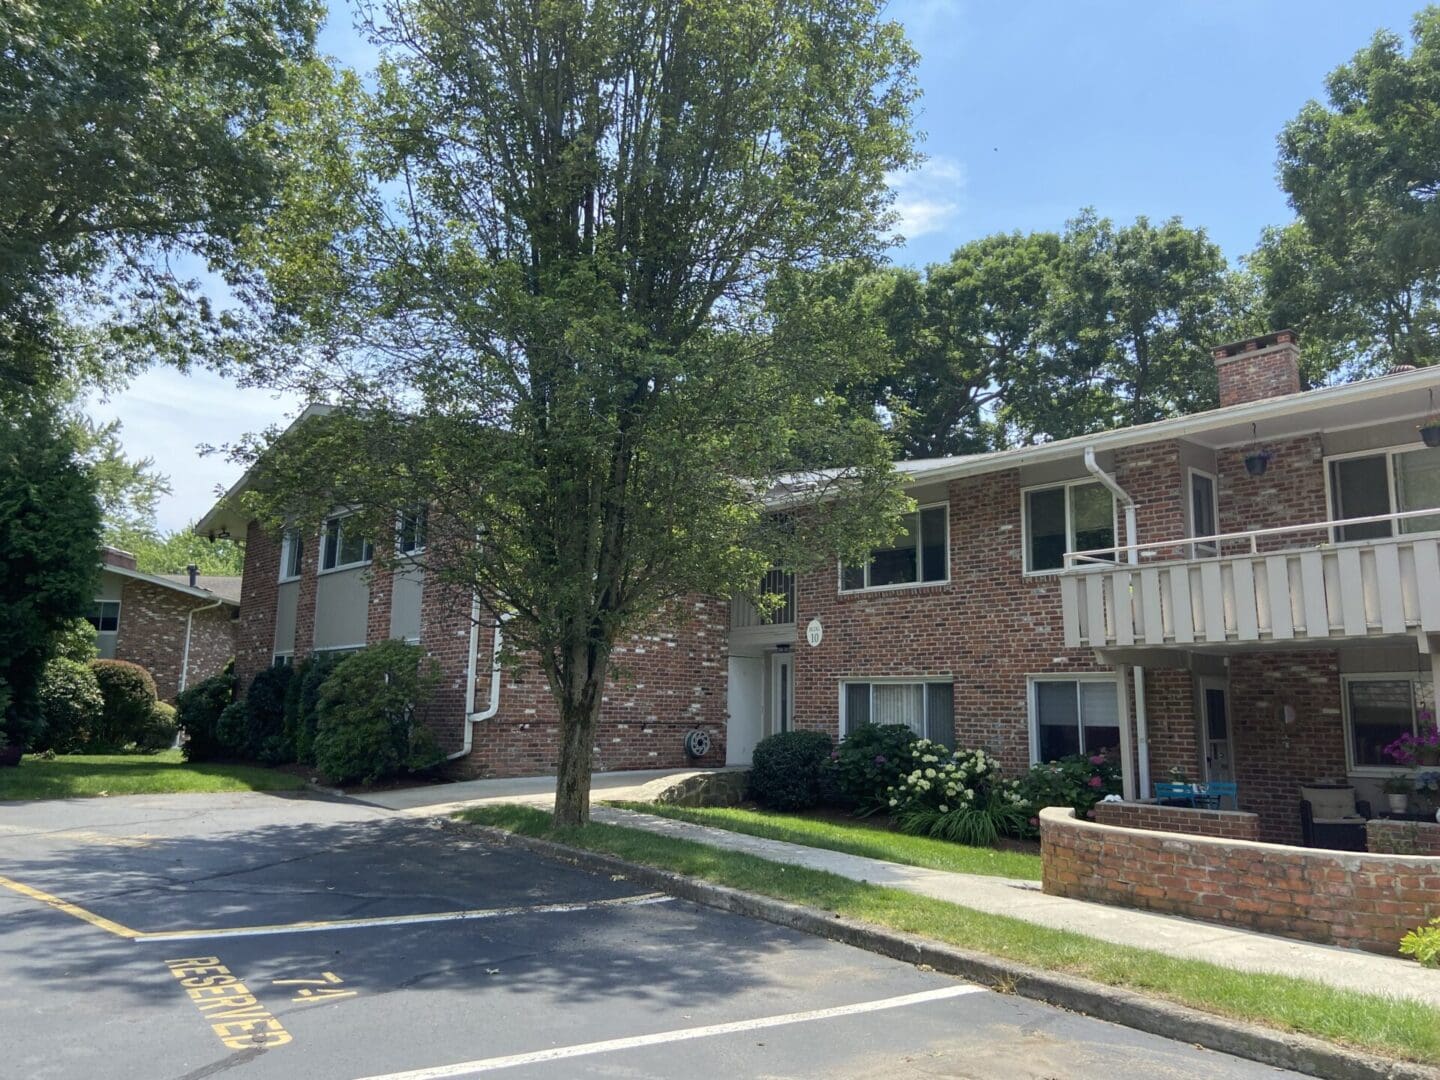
(471, 717)
(1142, 726)
(189, 624)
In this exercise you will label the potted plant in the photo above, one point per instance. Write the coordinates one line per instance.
(1430, 431)
(1397, 793)
(1257, 462)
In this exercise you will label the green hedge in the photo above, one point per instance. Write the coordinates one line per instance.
(129, 693)
(785, 770)
(71, 705)
(197, 711)
(369, 727)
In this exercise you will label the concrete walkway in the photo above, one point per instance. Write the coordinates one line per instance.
(1243, 950)
(637, 785)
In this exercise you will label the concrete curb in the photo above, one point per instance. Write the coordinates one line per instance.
(1300, 1053)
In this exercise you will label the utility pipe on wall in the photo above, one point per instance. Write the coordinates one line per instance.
(1132, 537)
(189, 625)
(472, 717)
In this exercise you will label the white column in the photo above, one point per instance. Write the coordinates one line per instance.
(1127, 758)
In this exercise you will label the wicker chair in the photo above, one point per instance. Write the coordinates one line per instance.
(1331, 817)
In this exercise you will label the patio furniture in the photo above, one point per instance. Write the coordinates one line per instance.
(1331, 817)
(1201, 796)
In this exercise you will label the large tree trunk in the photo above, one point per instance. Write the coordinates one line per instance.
(579, 705)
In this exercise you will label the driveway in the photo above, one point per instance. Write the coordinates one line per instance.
(257, 936)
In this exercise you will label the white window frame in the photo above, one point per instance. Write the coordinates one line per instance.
(1423, 696)
(288, 540)
(1069, 524)
(400, 519)
(283, 659)
(1202, 551)
(1389, 453)
(840, 563)
(100, 604)
(893, 680)
(1033, 712)
(368, 552)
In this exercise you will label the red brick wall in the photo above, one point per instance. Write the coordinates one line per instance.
(988, 627)
(1227, 824)
(1171, 720)
(1337, 898)
(1402, 837)
(1267, 367)
(152, 634)
(1273, 758)
(1291, 492)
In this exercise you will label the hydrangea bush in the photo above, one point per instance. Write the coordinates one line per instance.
(956, 795)
(866, 765)
(1077, 781)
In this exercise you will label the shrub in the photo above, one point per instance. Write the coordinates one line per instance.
(302, 704)
(159, 733)
(265, 716)
(867, 763)
(1075, 781)
(1423, 943)
(368, 728)
(70, 704)
(129, 694)
(958, 796)
(76, 641)
(231, 729)
(785, 769)
(197, 711)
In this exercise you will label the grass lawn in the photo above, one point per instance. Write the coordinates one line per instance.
(75, 775)
(855, 839)
(1398, 1028)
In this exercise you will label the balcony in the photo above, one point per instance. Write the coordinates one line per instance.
(1270, 585)
(745, 616)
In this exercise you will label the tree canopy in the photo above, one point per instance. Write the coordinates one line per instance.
(531, 267)
(1359, 272)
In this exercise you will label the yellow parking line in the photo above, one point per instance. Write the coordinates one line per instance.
(70, 909)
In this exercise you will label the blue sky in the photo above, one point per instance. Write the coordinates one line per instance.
(1031, 111)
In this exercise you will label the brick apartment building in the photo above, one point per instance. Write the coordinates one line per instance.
(179, 627)
(1245, 594)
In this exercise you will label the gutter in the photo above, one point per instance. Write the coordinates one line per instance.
(472, 717)
(1142, 722)
(189, 625)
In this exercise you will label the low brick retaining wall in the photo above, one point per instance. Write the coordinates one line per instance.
(1402, 837)
(1230, 824)
(1364, 901)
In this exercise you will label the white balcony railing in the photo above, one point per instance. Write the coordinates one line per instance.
(744, 615)
(1280, 584)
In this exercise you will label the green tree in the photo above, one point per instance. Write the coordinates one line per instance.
(532, 265)
(1361, 271)
(131, 132)
(129, 489)
(49, 538)
(175, 552)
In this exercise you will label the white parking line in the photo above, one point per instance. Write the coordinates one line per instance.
(560, 1053)
(396, 920)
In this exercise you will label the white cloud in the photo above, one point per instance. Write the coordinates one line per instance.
(167, 416)
(929, 199)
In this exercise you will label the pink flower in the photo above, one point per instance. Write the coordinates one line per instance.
(1098, 759)
(1096, 782)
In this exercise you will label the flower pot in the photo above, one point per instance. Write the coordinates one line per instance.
(1431, 434)
(1256, 464)
(10, 755)
(1398, 803)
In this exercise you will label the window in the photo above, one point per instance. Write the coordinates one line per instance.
(920, 554)
(1385, 482)
(343, 546)
(1074, 716)
(1068, 517)
(283, 659)
(410, 531)
(292, 550)
(1378, 710)
(1204, 511)
(926, 708)
(105, 616)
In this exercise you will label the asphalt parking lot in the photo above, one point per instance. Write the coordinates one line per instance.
(260, 936)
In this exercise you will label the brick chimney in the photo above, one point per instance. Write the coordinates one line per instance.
(1256, 368)
(112, 556)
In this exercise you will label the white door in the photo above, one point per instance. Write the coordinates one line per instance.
(1215, 729)
(745, 694)
(782, 690)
